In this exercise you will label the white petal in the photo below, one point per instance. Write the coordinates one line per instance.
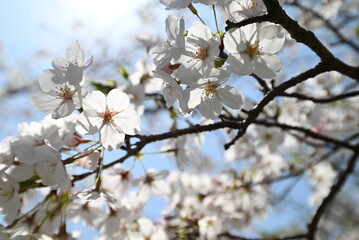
(74, 74)
(117, 100)
(84, 126)
(111, 138)
(146, 226)
(265, 66)
(268, 32)
(174, 27)
(194, 96)
(95, 101)
(271, 46)
(186, 76)
(60, 63)
(240, 64)
(50, 79)
(75, 53)
(169, 95)
(64, 109)
(211, 107)
(250, 32)
(234, 42)
(199, 31)
(128, 121)
(230, 97)
(43, 102)
(52, 172)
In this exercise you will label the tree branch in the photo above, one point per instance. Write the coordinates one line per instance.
(300, 96)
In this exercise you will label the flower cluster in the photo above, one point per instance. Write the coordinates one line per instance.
(195, 67)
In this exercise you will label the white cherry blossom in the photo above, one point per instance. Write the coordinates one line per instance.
(6, 154)
(152, 182)
(239, 10)
(9, 197)
(57, 94)
(111, 116)
(322, 176)
(210, 227)
(117, 181)
(52, 171)
(90, 160)
(147, 231)
(74, 64)
(252, 49)
(144, 77)
(171, 49)
(201, 49)
(209, 94)
(35, 141)
(171, 91)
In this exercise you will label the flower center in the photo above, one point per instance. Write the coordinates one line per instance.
(65, 92)
(250, 5)
(107, 115)
(253, 49)
(202, 53)
(209, 90)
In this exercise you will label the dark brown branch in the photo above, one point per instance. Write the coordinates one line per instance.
(312, 227)
(257, 19)
(300, 96)
(261, 82)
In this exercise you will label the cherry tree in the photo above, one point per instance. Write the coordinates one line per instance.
(237, 157)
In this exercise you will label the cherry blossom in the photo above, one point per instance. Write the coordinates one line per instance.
(239, 10)
(90, 160)
(322, 176)
(35, 141)
(111, 116)
(201, 49)
(6, 154)
(74, 64)
(171, 91)
(58, 95)
(171, 49)
(9, 197)
(147, 231)
(209, 227)
(252, 50)
(152, 182)
(209, 93)
(52, 172)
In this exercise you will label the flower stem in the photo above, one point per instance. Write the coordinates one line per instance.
(195, 12)
(215, 17)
